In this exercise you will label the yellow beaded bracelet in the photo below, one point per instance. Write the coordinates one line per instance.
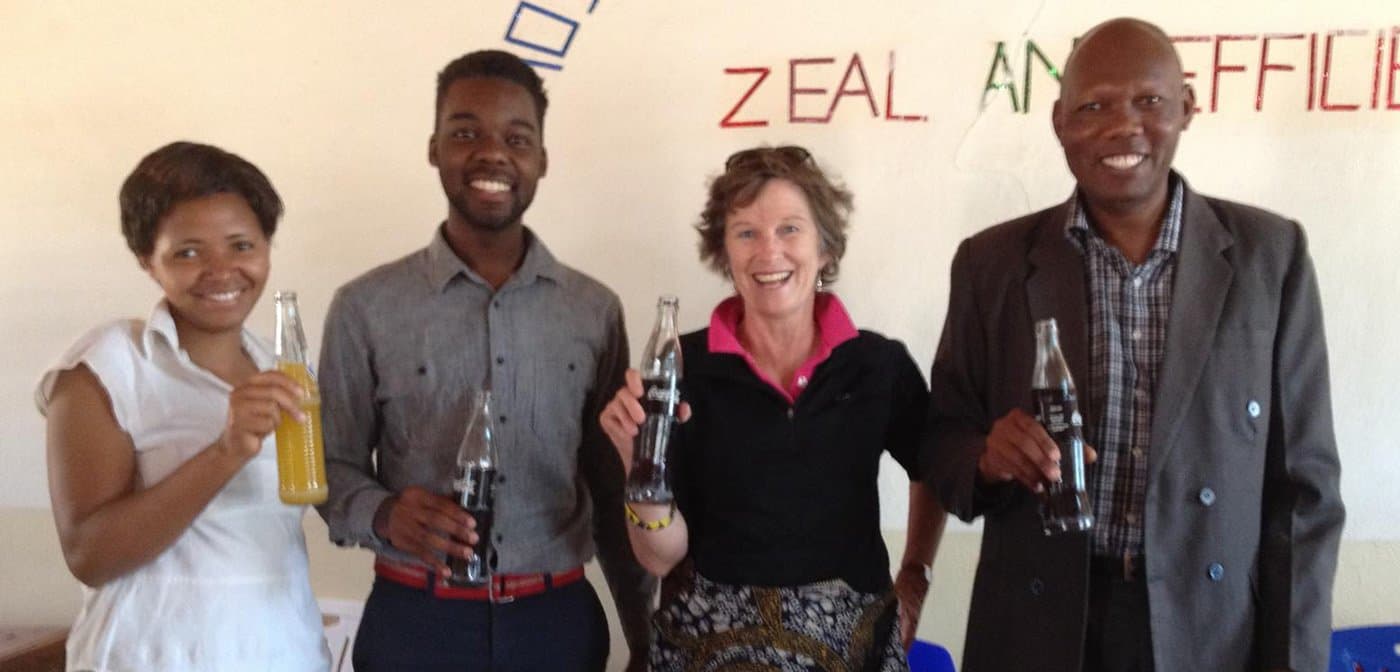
(650, 526)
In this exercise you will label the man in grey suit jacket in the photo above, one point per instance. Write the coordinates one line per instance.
(1193, 328)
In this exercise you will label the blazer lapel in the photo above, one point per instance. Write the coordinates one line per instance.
(1203, 276)
(1055, 288)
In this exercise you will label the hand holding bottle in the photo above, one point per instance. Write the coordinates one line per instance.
(255, 408)
(622, 418)
(428, 526)
(1018, 448)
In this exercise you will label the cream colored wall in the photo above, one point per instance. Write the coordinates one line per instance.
(38, 590)
(333, 100)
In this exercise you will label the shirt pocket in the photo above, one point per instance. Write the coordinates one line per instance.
(561, 382)
(406, 405)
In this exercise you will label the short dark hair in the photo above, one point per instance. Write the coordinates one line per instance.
(744, 175)
(183, 171)
(492, 63)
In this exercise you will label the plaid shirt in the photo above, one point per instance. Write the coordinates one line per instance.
(1128, 310)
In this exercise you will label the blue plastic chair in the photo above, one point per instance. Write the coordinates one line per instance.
(930, 657)
(1373, 648)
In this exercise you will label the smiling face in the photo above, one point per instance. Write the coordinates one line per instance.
(1123, 105)
(774, 252)
(211, 259)
(489, 152)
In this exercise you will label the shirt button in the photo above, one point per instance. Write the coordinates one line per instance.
(1137, 334)
(1140, 394)
(503, 419)
(1131, 518)
(1215, 571)
(495, 304)
(1137, 453)
(1253, 409)
(500, 360)
(1037, 586)
(789, 413)
(1137, 282)
(802, 381)
(1207, 496)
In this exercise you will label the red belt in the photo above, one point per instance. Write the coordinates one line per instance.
(503, 587)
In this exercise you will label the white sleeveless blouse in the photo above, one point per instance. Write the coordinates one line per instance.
(232, 592)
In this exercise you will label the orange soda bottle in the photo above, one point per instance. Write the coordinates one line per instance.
(301, 457)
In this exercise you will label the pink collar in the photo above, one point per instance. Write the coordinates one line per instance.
(834, 327)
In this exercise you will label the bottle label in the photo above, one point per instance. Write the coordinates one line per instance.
(1058, 412)
(476, 488)
(660, 397)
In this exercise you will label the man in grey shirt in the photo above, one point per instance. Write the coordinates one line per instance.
(483, 306)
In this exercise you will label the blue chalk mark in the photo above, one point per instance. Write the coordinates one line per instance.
(543, 64)
(573, 29)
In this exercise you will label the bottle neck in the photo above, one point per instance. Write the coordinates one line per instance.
(479, 444)
(1051, 370)
(666, 318)
(290, 341)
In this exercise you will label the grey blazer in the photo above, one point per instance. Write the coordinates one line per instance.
(1243, 514)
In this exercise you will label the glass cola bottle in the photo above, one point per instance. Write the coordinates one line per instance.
(301, 458)
(647, 481)
(475, 490)
(1064, 505)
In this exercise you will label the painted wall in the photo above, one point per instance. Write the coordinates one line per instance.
(934, 113)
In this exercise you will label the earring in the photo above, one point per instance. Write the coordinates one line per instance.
(821, 286)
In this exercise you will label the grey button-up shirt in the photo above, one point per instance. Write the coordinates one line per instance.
(405, 346)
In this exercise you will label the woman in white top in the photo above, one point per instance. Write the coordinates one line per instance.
(162, 472)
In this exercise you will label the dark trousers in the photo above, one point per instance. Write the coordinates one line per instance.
(405, 628)
(1119, 636)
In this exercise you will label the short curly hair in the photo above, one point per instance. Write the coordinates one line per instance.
(492, 64)
(745, 173)
(184, 171)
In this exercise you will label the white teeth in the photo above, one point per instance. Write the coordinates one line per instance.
(1123, 161)
(767, 278)
(491, 186)
(224, 297)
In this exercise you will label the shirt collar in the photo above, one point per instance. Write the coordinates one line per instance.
(444, 264)
(834, 327)
(160, 328)
(1078, 230)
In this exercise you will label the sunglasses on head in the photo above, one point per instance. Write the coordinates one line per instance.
(789, 153)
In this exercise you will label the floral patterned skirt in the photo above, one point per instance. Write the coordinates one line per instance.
(706, 626)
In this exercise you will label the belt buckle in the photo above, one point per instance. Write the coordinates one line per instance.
(493, 595)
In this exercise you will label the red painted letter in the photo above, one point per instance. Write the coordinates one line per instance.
(1189, 75)
(1217, 68)
(1390, 102)
(1265, 66)
(1327, 70)
(889, 99)
(793, 91)
(855, 66)
(728, 120)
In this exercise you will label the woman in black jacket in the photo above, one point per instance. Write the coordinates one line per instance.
(775, 473)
